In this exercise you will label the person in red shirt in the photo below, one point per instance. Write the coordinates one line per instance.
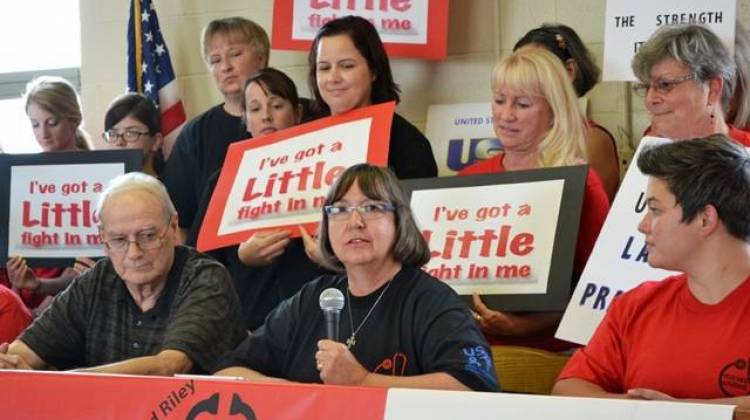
(14, 316)
(687, 77)
(536, 117)
(685, 336)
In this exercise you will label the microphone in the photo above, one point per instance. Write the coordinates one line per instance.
(331, 303)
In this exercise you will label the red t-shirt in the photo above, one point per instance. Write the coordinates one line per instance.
(14, 316)
(30, 298)
(659, 336)
(742, 137)
(593, 213)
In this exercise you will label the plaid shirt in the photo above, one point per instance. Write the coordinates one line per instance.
(95, 320)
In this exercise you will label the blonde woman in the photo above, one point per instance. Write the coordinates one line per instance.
(536, 118)
(54, 110)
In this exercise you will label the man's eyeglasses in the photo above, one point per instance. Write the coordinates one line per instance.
(130, 136)
(368, 211)
(662, 86)
(146, 240)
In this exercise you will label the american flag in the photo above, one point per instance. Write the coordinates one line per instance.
(150, 69)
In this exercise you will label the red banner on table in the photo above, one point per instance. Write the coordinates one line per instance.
(280, 180)
(408, 28)
(90, 396)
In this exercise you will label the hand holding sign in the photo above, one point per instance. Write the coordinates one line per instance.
(312, 248)
(262, 248)
(279, 181)
(20, 275)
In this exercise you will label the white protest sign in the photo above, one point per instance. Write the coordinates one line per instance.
(489, 245)
(629, 23)
(53, 215)
(461, 134)
(449, 405)
(618, 261)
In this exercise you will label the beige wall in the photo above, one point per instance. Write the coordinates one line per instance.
(479, 32)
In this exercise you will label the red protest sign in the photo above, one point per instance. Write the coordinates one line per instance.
(280, 180)
(408, 28)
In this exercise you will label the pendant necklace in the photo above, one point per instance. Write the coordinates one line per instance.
(352, 340)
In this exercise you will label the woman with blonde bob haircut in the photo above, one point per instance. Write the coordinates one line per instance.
(536, 118)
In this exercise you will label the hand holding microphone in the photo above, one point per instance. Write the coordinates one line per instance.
(337, 365)
(331, 303)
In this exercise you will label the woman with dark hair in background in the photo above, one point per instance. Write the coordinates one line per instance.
(349, 69)
(565, 43)
(269, 266)
(133, 122)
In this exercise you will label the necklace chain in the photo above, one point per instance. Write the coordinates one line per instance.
(352, 340)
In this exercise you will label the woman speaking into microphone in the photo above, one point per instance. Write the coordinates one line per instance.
(399, 327)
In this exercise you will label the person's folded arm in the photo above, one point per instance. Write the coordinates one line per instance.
(743, 403)
(438, 380)
(165, 363)
(18, 355)
(249, 374)
(576, 387)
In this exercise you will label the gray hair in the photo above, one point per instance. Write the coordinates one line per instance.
(694, 46)
(137, 181)
(741, 115)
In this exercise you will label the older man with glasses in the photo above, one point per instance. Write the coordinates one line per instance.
(151, 307)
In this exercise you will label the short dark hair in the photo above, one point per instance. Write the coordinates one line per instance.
(565, 43)
(367, 41)
(133, 105)
(712, 170)
(273, 81)
(378, 183)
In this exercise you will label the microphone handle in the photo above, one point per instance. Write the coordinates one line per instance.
(332, 324)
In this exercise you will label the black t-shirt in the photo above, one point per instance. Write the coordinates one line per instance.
(262, 288)
(420, 326)
(199, 152)
(410, 154)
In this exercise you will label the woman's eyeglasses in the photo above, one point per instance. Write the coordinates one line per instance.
(368, 211)
(130, 136)
(662, 86)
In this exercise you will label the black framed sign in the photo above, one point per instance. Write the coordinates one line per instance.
(48, 210)
(508, 236)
